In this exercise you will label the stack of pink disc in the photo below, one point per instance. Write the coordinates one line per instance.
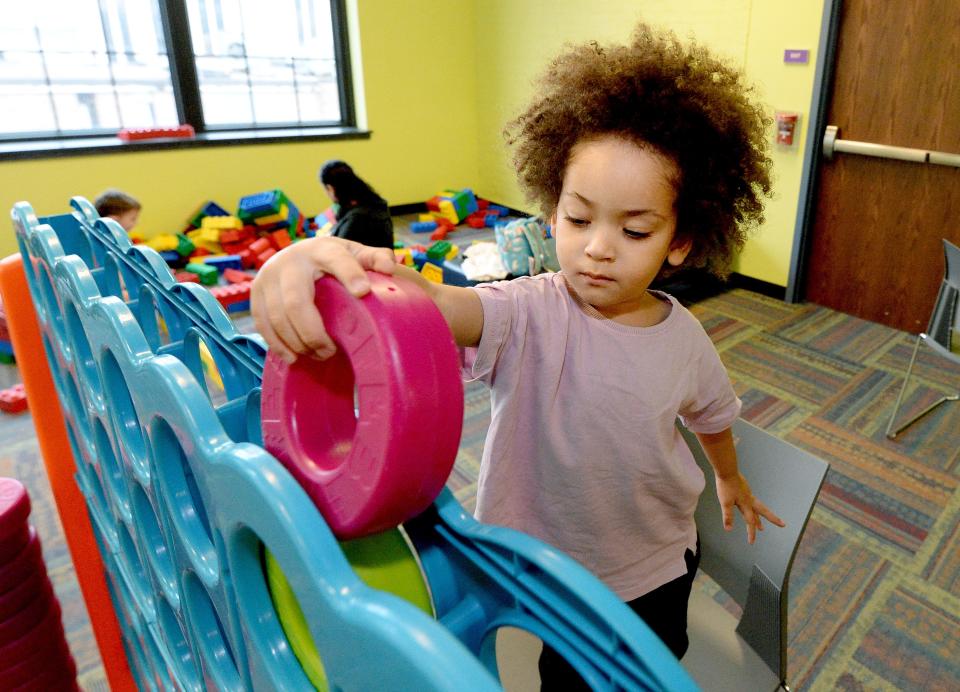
(33, 651)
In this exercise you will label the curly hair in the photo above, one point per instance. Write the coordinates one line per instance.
(680, 101)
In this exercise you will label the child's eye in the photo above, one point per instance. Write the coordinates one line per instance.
(576, 221)
(636, 234)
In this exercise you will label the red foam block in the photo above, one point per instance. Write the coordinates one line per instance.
(13, 399)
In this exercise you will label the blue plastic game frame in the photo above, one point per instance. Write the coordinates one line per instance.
(183, 499)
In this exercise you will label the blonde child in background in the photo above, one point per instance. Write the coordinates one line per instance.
(120, 206)
(646, 157)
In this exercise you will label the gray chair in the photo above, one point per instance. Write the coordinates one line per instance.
(941, 334)
(749, 654)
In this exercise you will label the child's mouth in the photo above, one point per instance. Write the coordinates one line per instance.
(596, 279)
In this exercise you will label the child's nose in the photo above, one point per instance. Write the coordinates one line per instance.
(600, 246)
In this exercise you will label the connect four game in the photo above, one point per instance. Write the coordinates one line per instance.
(274, 527)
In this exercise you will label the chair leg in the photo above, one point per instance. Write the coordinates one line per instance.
(891, 434)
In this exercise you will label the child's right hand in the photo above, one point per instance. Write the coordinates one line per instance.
(282, 294)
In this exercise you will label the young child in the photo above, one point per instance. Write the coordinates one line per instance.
(362, 214)
(120, 206)
(645, 157)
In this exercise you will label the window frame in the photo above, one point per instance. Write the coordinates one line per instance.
(186, 91)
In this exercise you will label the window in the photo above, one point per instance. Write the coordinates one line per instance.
(75, 68)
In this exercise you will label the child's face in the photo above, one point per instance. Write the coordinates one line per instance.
(615, 223)
(127, 219)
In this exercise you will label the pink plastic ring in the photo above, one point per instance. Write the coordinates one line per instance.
(14, 506)
(369, 471)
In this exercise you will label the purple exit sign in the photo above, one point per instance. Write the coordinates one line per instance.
(796, 55)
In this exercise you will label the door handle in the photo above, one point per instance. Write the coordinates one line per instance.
(832, 144)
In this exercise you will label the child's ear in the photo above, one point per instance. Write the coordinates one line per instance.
(679, 249)
(553, 218)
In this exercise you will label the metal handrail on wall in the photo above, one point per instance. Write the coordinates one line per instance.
(832, 143)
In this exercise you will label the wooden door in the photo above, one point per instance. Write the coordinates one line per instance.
(875, 249)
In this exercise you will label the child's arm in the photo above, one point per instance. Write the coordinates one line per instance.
(282, 295)
(732, 487)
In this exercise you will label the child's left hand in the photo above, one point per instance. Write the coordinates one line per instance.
(734, 491)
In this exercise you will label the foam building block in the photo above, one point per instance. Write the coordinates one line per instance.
(423, 226)
(223, 262)
(271, 210)
(205, 209)
(221, 222)
(236, 276)
(13, 399)
(206, 273)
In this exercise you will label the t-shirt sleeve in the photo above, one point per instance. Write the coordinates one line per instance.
(500, 310)
(712, 405)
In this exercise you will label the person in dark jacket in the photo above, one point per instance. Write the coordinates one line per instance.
(362, 214)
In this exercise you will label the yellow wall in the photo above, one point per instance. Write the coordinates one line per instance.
(774, 27)
(440, 78)
(750, 33)
(419, 103)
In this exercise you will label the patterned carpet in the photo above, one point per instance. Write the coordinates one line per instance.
(875, 588)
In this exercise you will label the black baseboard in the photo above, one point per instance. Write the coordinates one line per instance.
(690, 285)
(514, 212)
(693, 285)
(764, 288)
(412, 208)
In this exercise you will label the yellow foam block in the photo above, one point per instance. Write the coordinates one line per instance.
(207, 238)
(162, 242)
(404, 256)
(432, 272)
(453, 252)
(221, 222)
(273, 218)
(448, 211)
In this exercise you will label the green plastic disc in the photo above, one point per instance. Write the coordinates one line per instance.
(386, 561)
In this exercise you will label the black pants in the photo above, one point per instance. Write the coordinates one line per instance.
(664, 610)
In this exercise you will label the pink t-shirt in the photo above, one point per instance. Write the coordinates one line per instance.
(582, 450)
